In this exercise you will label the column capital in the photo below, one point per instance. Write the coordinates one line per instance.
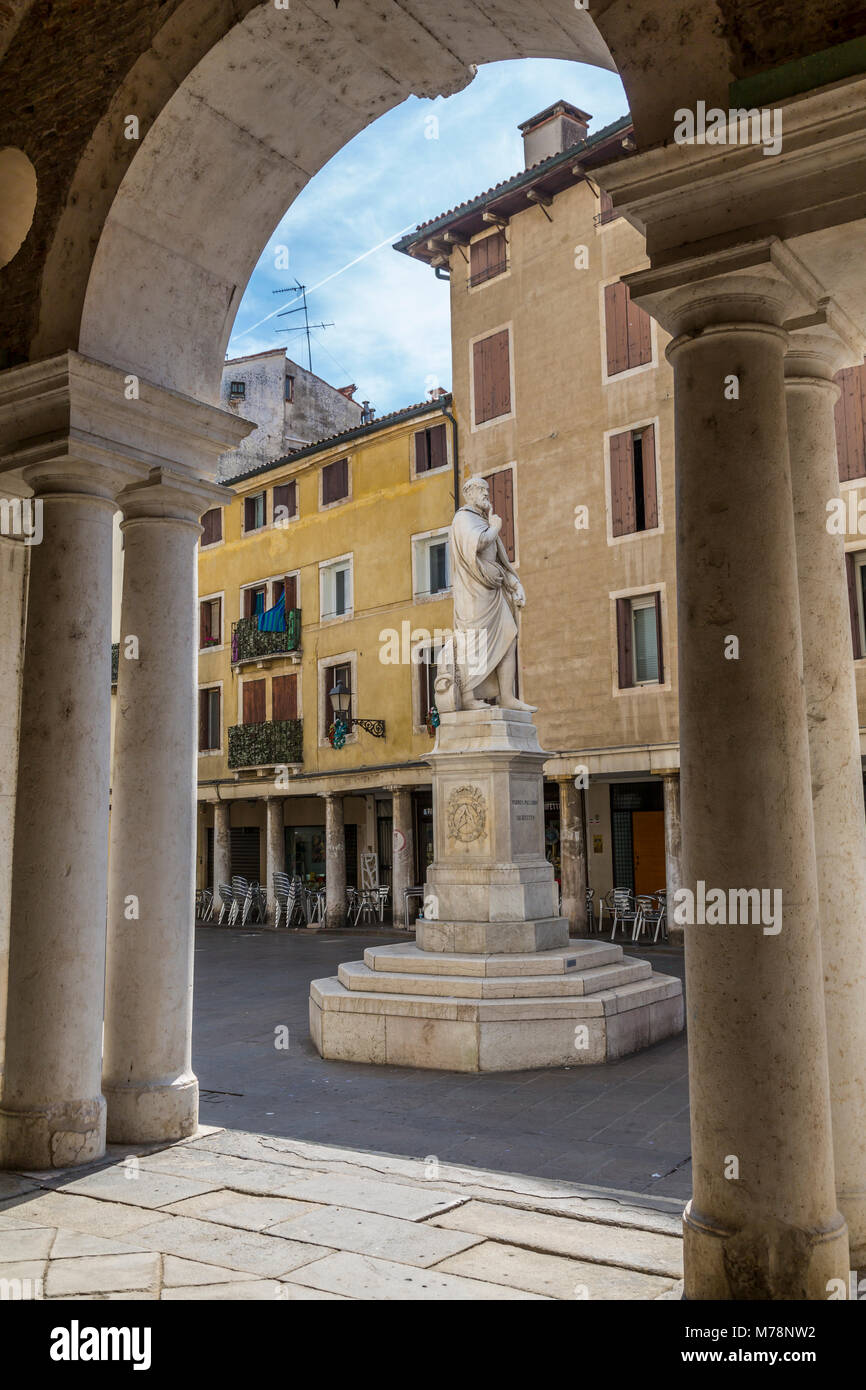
(168, 494)
(761, 284)
(72, 424)
(822, 346)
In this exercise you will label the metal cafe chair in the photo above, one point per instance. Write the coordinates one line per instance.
(281, 898)
(621, 904)
(240, 888)
(408, 894)
(590, 911)
(228, 901)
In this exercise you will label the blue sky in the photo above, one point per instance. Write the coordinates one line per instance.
(391, 316)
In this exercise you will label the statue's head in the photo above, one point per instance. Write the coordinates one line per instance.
(477, 493)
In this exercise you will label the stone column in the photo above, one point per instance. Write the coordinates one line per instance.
(14, 567)
(222, 849)
(572, 849)
(149, 1085)
(673, 851)
(335, 862)
(403, 854)
(763, 1220)
(834, 748)
(276, 849)
(52, 1112)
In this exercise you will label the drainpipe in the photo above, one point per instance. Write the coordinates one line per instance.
(441, 273)
(456, 453)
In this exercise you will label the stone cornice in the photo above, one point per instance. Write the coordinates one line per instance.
(73, 407)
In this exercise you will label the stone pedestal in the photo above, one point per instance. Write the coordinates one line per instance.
(492, 982)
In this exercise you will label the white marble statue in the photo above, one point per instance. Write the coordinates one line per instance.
(480, 661)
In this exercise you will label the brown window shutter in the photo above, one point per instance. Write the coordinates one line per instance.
(212, 526)
(639, 333)
(650, 493)
(422, 452)
(342, 468)
(249, 514)
(850, 431)
(249, 602)
(851, 575)
(501, 486)
(254, 702)
(605, 205)
(335, 481)
(285, 697)
(327, 485)
(203, 623)
(659, 638)
(622, 498)
(478, 360)
(501, 373)
(623, 643)
(203, 739)
(478, 256)
(291, 591)
(616, 327)
(438, 446)
(284, 497)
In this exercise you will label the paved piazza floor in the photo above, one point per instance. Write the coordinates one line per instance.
(324, 1180)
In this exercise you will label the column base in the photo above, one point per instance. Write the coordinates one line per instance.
(768, 1260)
(53, 1136)
(145, 1113)
(853, 1205)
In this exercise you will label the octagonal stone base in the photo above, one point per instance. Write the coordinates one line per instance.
(402, 1006)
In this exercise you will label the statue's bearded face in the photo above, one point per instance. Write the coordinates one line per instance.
(478, 495)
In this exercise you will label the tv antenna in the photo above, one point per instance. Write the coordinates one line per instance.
(306, 326)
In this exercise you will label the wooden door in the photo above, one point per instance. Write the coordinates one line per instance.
(648, 837)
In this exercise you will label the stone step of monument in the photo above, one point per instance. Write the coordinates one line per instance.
(356, 975)
(332, 993)
(448, 1033)
(578, 955)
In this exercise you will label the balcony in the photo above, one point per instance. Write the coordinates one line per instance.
(266, 745)
(490, 272)
(248, 644)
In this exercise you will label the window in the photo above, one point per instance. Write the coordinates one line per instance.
(426, 681)
(210, 622)
(289, 586)
(255, 511)
(212, 526)
(333, 674)
(290, 389)
(253, 694)
(336, 589)
(627, 331)
(238, 390)
(501, 485)
(606, 212)
(633, 487)
(209, 720)
(431, 449)
(492, 377)
(639, 640)
(488, 258)
(255, 600)
(855, 569)
(850, 428)
(335, 482)
(431, 564)
(285, 697)
(285, 502)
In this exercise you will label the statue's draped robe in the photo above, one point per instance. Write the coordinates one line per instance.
(482, 607)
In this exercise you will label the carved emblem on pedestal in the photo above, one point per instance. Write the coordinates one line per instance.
(467, 814)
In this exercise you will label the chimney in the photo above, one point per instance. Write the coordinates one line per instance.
(553, 130)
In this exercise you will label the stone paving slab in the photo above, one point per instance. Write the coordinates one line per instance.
(262, 1290)
(229, 1208)
(364, 1277)
(31, 1243)
(102, 1274)
(248, 1251)
(369, 1233)
(86, 1214)
(137, 1185)
(71, 1244)
(582, 1240)
(553, 1275)
(177, 1272)
(227, 1170)
(367, 1194)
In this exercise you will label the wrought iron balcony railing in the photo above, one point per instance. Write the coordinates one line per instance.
(248, 644)
(266, 745)
(490, 272)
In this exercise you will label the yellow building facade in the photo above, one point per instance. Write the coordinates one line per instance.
(349, 537)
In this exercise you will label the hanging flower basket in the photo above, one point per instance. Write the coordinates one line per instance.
(432, 720)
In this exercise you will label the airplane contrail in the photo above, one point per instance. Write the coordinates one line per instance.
(388, 240)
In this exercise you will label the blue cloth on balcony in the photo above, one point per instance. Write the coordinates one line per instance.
(274, 619)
